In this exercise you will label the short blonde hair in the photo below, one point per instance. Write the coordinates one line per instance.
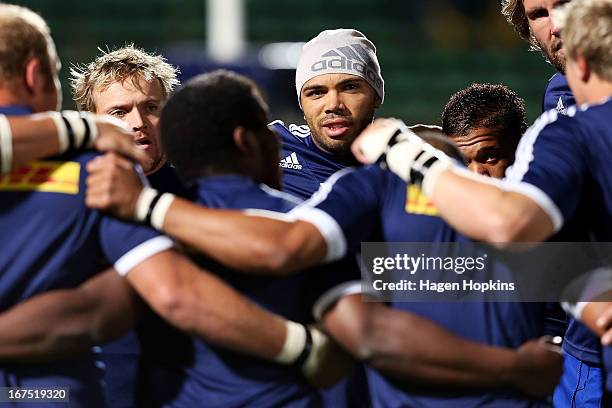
(514, 11)
(23, 35)
(587, 31)
(126, 63)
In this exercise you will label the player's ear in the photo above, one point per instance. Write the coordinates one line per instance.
(244, 139)
(583, 68)
(34, 77)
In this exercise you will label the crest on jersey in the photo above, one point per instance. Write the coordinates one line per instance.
(418, 203)
(48, 176)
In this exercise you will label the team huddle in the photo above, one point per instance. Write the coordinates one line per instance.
(168, 245)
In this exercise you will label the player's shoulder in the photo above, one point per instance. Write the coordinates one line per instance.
(576, 119)
(557, 80)
(552, 122)
(595, 111)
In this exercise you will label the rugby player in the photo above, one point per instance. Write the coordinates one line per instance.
(130, 85)
(485, 122)
(51, 241)
(532, 20)
(559, 177)
(339, 86)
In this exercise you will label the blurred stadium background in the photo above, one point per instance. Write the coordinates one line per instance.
(427, 49)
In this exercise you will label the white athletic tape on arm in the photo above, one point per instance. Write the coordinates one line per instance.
(161, 209)
(93, 129)
(77, 125)
(144, 202)
(6, 144)
(62, 132)
(295, 340)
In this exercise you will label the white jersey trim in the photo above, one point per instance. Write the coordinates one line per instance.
(327, 226)
(329, 298)
(141, 253)
(275, 215)
(541, 199)
(281, 194)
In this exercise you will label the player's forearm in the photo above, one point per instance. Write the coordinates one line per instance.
(409, 347)
(61, 323)
(413, 349)
(32, 137)
(490, 214)
(248, 243)
(198, 302)
(45, 328)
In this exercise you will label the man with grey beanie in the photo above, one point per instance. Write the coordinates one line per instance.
(339, 86)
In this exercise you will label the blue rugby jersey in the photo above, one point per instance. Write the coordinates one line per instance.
(557, 95)
(121, 357)
(189, 372)
(369, 204)
(563, 164)
(304, 165)
(50, 240)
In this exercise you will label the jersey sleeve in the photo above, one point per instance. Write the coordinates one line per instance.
(328, 279)
(550, 166)
(344, 210)
(126, 245)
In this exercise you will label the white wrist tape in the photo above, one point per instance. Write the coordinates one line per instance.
(152, 207)
(146, 197)
(399, 158)
(432, 175)
(88, 118)
(6, 145)
(62, 130)
(295, 341)
(320, 342)
(158, 214)
(75, 130)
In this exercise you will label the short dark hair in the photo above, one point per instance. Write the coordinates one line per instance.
(198, 122)
(485, 106)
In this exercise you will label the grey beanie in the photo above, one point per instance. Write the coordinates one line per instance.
(341, 51)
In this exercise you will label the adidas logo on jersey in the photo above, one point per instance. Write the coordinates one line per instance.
(291, 162)
(560, 108)
(351, 58)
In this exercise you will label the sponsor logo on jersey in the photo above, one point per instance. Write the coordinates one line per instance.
(291, 162)
(349, 58)
(418, 203)
(47, 176)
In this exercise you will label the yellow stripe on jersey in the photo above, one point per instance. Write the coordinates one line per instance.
(418, 203)
(48, 176)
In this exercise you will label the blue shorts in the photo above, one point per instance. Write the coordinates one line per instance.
(581, 385)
